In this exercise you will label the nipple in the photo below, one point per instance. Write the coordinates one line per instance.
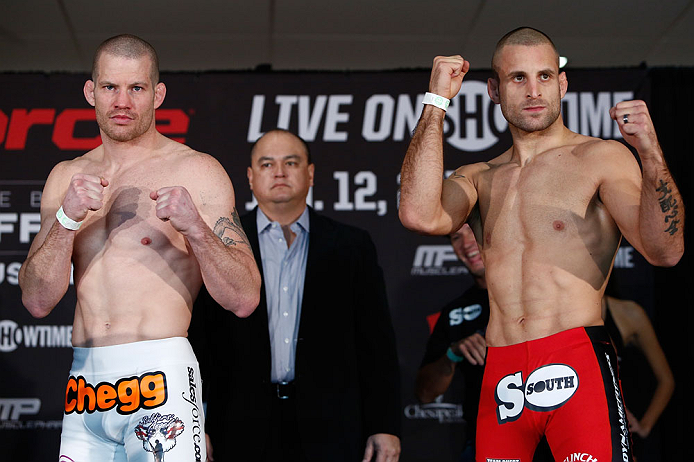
(146, 241)
(558, 225)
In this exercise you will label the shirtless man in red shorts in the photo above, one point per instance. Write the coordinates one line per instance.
(548, 214)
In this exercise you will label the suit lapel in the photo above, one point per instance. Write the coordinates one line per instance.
(320, 242)
(260, 323)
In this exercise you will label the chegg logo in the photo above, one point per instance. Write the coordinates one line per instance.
(128, 395)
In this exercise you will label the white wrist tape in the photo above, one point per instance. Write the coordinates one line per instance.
(436, 100)
(66, 221)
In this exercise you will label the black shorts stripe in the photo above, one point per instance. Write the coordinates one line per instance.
(607, 359)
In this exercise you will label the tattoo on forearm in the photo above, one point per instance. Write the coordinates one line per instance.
(234, 225)
(669, 206)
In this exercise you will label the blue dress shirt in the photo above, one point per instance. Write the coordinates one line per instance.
(284, 271)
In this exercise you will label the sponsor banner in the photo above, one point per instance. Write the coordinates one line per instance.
(438, 411)
(13, 336)
(20, 414)
(358, 126)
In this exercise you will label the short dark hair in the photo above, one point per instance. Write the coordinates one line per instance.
(286, 132)
(527, 36)
(127, 46)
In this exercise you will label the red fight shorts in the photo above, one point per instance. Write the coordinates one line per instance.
(565, 387)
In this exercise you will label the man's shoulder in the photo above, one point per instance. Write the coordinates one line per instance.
(588, 146)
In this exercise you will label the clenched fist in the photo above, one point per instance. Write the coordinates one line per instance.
(85, 193)
(447, 75)
(636, 125)
(174, 204)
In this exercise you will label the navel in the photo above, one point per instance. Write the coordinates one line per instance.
(558, 225)
(146, 241)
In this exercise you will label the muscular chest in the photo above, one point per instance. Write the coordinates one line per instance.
(554, 196)
(127, 220)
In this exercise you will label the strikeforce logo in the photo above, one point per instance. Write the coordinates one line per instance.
(67, 123)
(128, 395)
(547, 388)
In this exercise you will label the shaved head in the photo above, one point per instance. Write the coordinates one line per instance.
(526, 36)
(127, 46)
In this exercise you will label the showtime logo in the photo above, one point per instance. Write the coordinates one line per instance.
(12, 335)
(14, 128)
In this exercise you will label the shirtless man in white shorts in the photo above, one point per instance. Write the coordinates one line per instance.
(548, 215)
(145, 220)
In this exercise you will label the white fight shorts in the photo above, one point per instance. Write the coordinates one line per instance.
(138, 402)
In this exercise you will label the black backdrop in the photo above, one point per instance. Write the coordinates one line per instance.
(358, 125)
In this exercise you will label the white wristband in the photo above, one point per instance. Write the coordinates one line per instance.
(436, 100)
(66, 221)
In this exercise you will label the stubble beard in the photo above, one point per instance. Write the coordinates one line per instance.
(531, 124)
(121, 133)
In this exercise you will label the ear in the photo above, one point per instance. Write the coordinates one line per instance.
(563, 83)
(249, 174)
(159, 94)
(493, 90)
(311, 171)
(89, 92)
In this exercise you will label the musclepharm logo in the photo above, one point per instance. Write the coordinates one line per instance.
(19, 414)
(430, 260)
(14, 408)
(12, 335)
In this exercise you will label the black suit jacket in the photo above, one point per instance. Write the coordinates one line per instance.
(347, 372)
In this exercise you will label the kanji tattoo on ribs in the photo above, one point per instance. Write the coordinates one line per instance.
(669, 206)
(234, 225)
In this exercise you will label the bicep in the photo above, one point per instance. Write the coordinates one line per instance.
(620, 192)
(458, 198)
(216, 204)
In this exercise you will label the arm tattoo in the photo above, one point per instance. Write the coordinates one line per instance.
(669, 206)
(456, 175)
(224, 224)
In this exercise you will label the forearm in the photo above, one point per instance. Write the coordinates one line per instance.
(229, 273)
(45, 275)
(434, 379)
(421, 177)
(661, 212)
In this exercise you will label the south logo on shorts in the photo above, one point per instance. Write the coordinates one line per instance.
(546, 388)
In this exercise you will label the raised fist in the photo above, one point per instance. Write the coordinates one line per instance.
(447, 75)
(636, 126)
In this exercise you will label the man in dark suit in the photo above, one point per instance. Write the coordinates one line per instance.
(313, 374)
